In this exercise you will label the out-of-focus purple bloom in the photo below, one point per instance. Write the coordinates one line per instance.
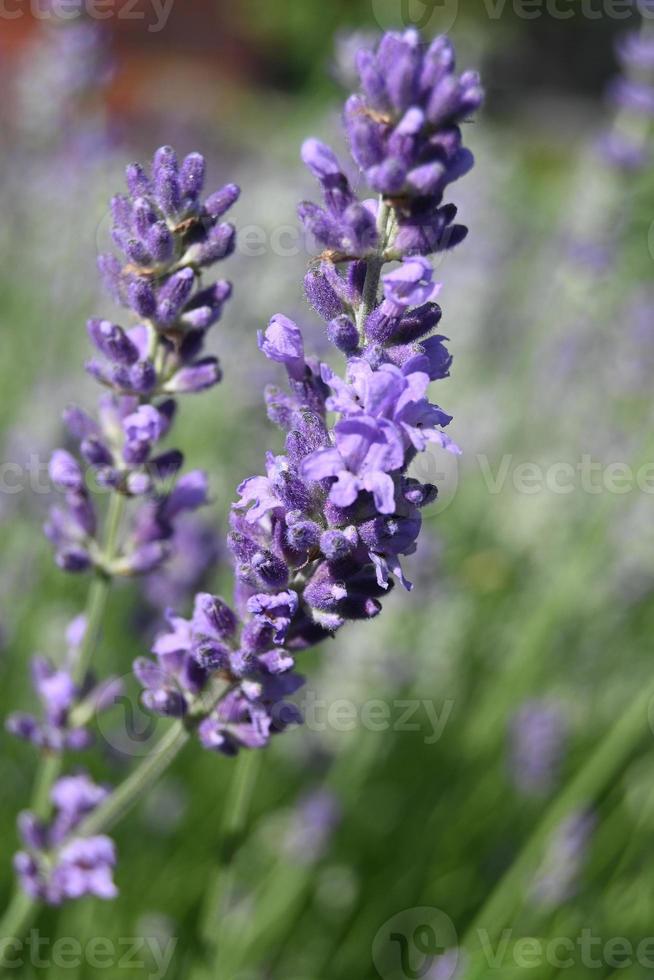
(312, 823)
(537, 741)
(636, 51)
(625, 145)
(63, 701)
(632, 95)
(557, 878)
(59, 866)
(194, 552)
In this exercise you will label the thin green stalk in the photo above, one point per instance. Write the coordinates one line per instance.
(99, 589)
(21, 909)
(127, 794)
(237, 808)
(593, 780)
(15, 923)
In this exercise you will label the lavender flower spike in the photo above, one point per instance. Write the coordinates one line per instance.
(167, 237)
(56, 865)
(318, 540)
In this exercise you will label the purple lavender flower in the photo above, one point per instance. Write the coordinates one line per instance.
(66, 705)
(404, 136)
(207, 647)
(409, 285)
(57, 865)
(195, 549)
(319, 538)
(167, 237)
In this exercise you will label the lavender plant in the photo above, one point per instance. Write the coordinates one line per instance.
(167, 237)
(318, 540)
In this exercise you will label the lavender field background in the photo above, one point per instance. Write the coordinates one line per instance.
(528, 634)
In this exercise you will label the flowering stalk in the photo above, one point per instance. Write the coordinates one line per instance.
(318, 540)
(167, 237)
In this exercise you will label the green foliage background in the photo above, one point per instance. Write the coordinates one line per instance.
(518, 595)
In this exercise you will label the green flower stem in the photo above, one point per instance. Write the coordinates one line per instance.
(374, 267)
(237, 808)
(594, 779)
(15, 923)
(127, 794)
(22, 910)
(100, 587)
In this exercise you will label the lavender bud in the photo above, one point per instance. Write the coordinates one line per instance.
(213, 615)
(321, 296)
(64, 471)
(167, 190)
(303, 535)
(335, 545)
(219, 203)
(192, 174)
(112, 341)
(142, 298)
(138, 183)
(160, 242)
(343, 334)
(196, 377)
(174, 295)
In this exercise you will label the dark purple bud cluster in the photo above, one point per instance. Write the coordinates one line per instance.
(167, 236)
(405, 137)
(232, 679)
(56, 865)
(67, 706)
